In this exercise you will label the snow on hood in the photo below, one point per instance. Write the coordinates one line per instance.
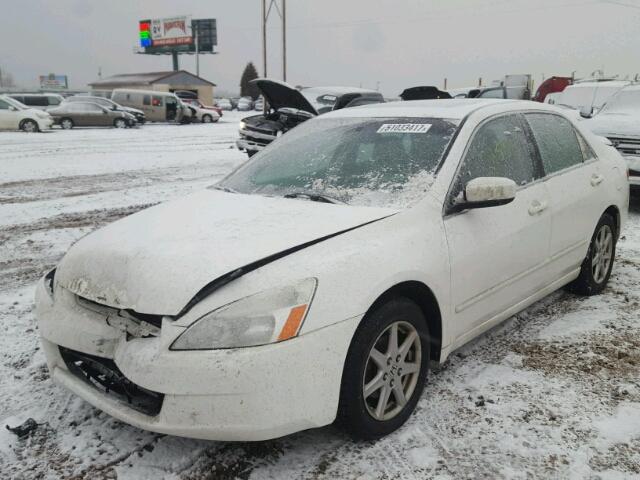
(156, 260)
(614, 124)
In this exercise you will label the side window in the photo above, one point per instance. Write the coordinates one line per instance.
(4, 105)
(557, 141)
(587, 151)
(146, 100)
(156, 101)
(499, 148)
(36, 101)
(493, 93)
(53, 100)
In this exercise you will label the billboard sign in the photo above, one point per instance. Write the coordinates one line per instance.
(171, 31)
(54, 82)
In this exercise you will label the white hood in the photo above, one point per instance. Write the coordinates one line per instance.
(156, 260)
(614, 124)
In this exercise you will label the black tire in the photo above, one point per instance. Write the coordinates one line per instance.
(206, 118)
(66, 123)
(592, 281)
(120, 123)
(29, 126)
(355, 413)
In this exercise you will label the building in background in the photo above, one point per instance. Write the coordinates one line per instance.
(167, 81)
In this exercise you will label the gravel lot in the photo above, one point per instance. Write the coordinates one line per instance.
(552, 393)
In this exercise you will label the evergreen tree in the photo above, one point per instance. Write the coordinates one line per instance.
(246, 90)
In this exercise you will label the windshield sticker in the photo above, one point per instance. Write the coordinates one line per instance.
(404, 128)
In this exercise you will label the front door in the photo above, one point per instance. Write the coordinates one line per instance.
(497, 254)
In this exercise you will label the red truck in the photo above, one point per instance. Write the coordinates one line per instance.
(551, 85)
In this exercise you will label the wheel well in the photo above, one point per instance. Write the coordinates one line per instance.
(615, 213)
(426, 300)
(25, 120)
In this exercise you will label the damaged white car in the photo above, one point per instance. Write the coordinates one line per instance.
(319, 280)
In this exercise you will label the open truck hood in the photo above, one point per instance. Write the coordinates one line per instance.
(157, 260)
(281, 95)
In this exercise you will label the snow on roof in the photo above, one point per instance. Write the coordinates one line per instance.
(607, 84)
(145, 78)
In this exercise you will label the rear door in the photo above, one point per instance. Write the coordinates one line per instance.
(574, 177)
(497, 254)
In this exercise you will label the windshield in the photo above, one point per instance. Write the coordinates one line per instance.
(623, 101)
(382, 162)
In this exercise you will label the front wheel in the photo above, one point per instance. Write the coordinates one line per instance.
(66, 124)
(385, 371)
(29, 126)
(207, 119)
(596, 267)
(120, 123)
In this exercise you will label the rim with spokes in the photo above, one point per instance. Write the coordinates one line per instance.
(66, 124)
(603, 252)
(207, 119)
(120, 123)
(29, 126)
(392, 370)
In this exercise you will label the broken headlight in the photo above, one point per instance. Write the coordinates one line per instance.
(271, 316)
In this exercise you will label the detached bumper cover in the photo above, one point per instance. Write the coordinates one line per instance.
(253, 393)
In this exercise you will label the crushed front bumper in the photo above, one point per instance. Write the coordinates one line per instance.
(245, 394)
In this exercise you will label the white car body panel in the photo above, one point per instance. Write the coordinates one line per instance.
(12, 119)
(481, 266)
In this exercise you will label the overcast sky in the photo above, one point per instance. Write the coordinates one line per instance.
(397, 43)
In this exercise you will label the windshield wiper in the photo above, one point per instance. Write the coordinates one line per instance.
(314, 197)
(225, 189)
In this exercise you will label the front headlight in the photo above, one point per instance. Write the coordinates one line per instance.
(242, 125)
(42, 115)
(271, 316)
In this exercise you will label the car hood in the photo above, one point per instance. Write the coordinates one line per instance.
(157, 260)
(133, 111)
(280, 95)
(614, 124)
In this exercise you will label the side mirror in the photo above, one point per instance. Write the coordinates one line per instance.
(484, 192)
(586, 111)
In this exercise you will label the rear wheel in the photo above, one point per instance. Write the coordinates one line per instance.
(29, 126)
(120, 123)
(596, 267)
(385, 371)
(66, 123)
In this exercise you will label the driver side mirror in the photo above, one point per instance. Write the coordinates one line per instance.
(12, 108)
(586, 111)
(484, 192)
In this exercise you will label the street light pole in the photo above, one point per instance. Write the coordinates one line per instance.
(264, 38)
(284, 40)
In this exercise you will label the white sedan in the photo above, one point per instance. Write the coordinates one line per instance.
(16, 116)
(319, 280)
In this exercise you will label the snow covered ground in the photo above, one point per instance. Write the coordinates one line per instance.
(552, 393)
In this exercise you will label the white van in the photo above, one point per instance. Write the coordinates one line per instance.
(41, 101)
(157, 106)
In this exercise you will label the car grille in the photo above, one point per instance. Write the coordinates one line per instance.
(154, 322)
(250, 138)
(104, 375)
(626, 146)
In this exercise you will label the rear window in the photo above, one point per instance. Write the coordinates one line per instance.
(557, 141)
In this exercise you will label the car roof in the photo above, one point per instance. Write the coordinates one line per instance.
(607, 84)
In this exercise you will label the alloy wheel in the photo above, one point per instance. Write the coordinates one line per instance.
(66, 124)
(602, 254)
(29, 126)
(392, 370)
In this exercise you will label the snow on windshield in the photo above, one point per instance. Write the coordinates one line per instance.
(381, 162)
(624, 101)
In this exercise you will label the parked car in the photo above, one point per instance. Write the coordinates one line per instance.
(423, 93)
(199, 104)
(288, 107)
(186, 94)
(41, 101)
(589, 95)
(619, 121)
(458, 214)
(89, 114)
(224, 104)
(259, 105)
(245, 104)
(110, 104)
(17, 116)
(203, 115)
(157, 106)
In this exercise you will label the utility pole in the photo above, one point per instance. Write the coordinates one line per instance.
(197, 48)
(174, 56)
(281, 9)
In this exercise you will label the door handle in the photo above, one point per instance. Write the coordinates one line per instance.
(537, 207)
(596, 179)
